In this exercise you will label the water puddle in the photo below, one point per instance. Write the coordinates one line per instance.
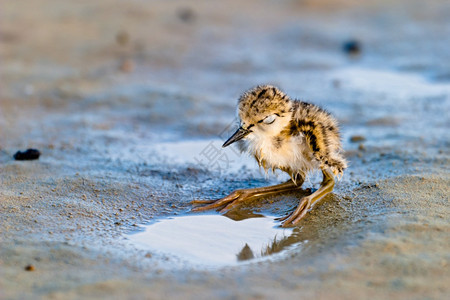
(216, 240)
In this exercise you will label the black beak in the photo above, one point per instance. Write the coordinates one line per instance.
(239, 134)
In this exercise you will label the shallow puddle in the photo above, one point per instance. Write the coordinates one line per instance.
(216, 240)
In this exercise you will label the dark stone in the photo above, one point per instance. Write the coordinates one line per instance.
(30, 268)
(30, 154)
(186, 15)
(122, 38)
(357, 138)
(352, 47)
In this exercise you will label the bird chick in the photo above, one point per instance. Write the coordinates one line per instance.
(291, 135)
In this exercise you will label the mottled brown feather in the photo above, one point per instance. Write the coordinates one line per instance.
(303, 130)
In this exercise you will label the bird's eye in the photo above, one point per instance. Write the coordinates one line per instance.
(270, 119)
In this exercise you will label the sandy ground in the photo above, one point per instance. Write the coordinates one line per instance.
(98, 86)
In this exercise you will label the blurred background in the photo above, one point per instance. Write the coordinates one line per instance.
(129, 102)
(154, 82)
(174, 69)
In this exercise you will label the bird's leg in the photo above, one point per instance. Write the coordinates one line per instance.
(239, 196)
(307, 202)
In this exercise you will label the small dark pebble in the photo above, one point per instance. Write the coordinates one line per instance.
(30, 154)
(361, 147)
(117, 223)
(186, 15)
(30, 268)
(351, 47)
(122, 38)
(357, 138)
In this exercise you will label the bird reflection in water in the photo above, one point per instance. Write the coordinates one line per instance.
(277, 245)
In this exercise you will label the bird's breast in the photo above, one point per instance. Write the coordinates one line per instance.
(285, 153)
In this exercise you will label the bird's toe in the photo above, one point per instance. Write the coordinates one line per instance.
(195, 201)
(296, 216)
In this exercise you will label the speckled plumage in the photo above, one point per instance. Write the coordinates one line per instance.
(302, 137)
(291, 135)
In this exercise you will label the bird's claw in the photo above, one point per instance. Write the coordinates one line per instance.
(213, 204)
(295, 217)
(228, 203)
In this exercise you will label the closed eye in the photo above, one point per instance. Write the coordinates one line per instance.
(269, 119)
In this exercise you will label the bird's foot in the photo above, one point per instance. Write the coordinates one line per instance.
(295, 217)
(232, 200)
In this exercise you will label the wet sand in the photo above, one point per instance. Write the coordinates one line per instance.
(123, 98)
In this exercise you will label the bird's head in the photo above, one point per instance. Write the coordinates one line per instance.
(263, 110)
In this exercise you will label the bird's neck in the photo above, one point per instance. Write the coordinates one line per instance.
(265, 144)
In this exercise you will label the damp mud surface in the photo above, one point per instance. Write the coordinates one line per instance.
(129, 103)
